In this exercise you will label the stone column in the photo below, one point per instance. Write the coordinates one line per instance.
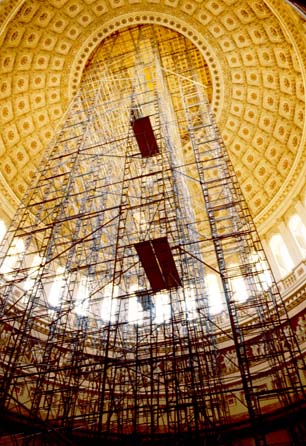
(300, 208)
(272, 262)
(290, 242)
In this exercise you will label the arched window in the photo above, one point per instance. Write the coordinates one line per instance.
(240, 290)
(12, 256)
(190, 303)
(135, 313)
(262, 275)
(238, 284)
(56, 290)
(281, 254)
(215, 297)
(163, 308)
(82, 298)
(298, 231)
(135, 310)
(109, 303)
(30, 280)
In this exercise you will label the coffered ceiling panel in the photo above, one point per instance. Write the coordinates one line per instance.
(254, 51)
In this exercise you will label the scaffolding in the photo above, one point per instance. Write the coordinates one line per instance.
(137, 303)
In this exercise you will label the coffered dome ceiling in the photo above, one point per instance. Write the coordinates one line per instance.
(256, 57)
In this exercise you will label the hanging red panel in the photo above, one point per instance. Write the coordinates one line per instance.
(166, 261)
(150, 265)
(145, 137)
(158, 263)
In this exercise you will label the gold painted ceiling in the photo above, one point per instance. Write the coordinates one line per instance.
(255, 52)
